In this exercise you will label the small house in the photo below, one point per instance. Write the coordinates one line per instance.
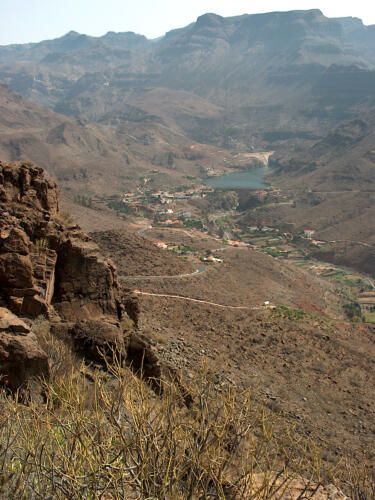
(161, 244)
(309, 233)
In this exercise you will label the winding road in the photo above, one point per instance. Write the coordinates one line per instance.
(370, 245)
(198, 271)
(189, 299)
(141, 233)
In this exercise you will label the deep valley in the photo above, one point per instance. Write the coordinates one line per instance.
(184, 214)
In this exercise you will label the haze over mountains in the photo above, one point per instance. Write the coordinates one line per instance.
(292, 73)
(280, 81)
(80, 154)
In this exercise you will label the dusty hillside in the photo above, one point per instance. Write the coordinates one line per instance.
(136, 256)
(344, 160)
(77, 154)
(295, 355)
(298, 359)
(331, 186)
(320, 374)
(100, 159)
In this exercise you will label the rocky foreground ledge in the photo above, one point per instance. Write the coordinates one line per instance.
(49, 267)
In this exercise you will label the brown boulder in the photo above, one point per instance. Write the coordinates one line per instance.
(131, 306)
(86, 286)
(15, 304)
(22, 361)
(14, 240)
(16, 271)
(27, 184)
(11, 324)
(96, 341)
(34, 306)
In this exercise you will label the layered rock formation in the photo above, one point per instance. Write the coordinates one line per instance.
(45, 264)
(50, 268)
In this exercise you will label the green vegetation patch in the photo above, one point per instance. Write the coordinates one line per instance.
(273, 252)
(183, 249)
(353, 311)
(369, 317)
(289, 313)
(120, 207)
(195, 223)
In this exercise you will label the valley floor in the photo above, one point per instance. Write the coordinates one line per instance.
(299, 353)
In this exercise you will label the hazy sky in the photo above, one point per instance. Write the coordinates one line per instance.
(23, 21)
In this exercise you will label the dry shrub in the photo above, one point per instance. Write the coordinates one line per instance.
(359, 480)
(65, 217)
(129, 442)
(63, 361)
(41, 244)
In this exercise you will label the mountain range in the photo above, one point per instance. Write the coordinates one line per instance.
(293, 74)
(107, 112)
(246, 285)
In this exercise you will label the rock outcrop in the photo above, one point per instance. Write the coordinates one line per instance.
(97, 341)
(22, 362)
(50, 268)
(45, 264)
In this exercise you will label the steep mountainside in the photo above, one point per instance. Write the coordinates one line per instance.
(343, 160)
(95, 158)
(332, 184)
(299, 70)
(72, 149)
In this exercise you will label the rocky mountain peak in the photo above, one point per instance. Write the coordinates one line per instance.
(210, 19)
(71, 34)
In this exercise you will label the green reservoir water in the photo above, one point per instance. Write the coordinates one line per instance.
(250, 179)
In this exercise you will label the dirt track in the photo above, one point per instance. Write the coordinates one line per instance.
(200, 301)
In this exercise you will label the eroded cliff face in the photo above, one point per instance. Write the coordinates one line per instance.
(48, 267)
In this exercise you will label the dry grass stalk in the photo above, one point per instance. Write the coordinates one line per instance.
(103, 436)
